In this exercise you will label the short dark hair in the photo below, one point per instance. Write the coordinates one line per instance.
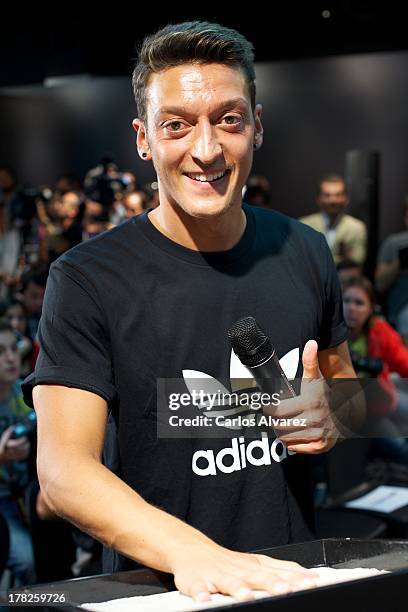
(199, 42)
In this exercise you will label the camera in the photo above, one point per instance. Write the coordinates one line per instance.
(104, 181)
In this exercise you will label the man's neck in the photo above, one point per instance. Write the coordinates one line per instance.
(5, 390)
(200, 234)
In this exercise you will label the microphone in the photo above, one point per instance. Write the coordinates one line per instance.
(254, 349)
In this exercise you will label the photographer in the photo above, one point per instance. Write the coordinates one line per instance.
(14, 455)
(377, 351)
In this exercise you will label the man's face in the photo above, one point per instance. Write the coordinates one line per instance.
(33, 299)
(332, 198)
(200, 134)
(9, 358)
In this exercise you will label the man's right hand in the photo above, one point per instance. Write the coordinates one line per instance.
(219, 570)
(71, 432)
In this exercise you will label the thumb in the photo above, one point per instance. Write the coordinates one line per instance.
(310, 360)
(5, 437)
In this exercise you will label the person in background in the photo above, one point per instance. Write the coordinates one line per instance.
(32, 297)
(129, 180)
(134, 204)
(391, 277)
(345, 235)
(153, 196)
(63, 231)
(14, 453)
(14, 311)
(11, 238)
(348, 269)
(67, 182)
(377, 351)
(258, 191)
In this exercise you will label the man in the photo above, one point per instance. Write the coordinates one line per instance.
(32, 296)
(154, 298)
(391, 277)
(134, 203)
(66, 231)
(345, 235)
(14, 453)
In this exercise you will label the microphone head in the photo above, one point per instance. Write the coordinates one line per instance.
(249, 342)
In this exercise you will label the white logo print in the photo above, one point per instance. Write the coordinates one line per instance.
(241, 455)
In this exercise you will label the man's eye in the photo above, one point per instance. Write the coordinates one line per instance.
(174, 126)
(231, 119)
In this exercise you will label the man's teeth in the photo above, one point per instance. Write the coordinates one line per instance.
(205, 177)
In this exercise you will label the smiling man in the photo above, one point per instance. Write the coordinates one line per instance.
(154, 298)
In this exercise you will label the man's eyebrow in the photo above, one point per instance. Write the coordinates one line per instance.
(222, 106)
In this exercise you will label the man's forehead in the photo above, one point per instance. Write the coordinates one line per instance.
(332, 186)
(191, 83)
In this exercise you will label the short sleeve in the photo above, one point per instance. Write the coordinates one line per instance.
(73, 337)
(333, 330)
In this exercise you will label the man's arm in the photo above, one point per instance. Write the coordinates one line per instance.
(336, 363)
(385, 275)
(75, 484)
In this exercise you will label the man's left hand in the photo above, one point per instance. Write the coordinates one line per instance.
(318, 434)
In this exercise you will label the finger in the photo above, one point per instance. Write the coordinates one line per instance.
(312, 448)
(199, 591)
(5, 439)
(6, 435)
(18, 442)
(278, 581)
(301, 437)
(238, 588)
(287, 408)
(310, 360)
(266, 561)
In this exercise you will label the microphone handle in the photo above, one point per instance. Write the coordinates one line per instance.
(271, 378)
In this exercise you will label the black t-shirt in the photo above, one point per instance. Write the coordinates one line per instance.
(131, 306)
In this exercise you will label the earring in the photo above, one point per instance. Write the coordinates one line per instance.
(144, 154)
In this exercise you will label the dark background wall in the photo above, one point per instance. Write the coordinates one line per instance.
(315, 110)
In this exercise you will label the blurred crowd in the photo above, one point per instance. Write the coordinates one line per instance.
(38, 224)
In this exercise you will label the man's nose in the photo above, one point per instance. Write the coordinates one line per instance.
(206, 147)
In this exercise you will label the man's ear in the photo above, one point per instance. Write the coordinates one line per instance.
(258, 132)
(141, 139)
